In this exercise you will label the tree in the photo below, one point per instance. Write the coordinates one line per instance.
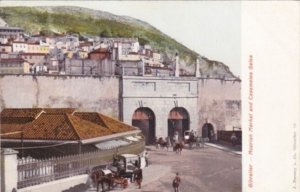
(106, 33)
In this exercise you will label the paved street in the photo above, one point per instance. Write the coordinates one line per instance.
(201, 170)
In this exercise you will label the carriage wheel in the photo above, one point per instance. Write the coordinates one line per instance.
(125, 183)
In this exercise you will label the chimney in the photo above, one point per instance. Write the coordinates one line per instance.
(176, 65)
(197, 74)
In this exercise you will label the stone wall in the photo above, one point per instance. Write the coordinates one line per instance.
(219, 103)
(213, 101)
(99, 94)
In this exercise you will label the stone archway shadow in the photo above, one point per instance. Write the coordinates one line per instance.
(144, 118)
(178, 121)
(208, 131)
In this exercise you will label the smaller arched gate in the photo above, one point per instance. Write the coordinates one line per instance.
(208, 131)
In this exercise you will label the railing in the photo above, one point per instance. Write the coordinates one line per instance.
(226, 136)
(33, 172)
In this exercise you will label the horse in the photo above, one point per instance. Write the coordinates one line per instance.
(106, 181)
(178, 147)
(162, 143)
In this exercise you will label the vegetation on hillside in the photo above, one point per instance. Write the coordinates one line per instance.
(35, 20)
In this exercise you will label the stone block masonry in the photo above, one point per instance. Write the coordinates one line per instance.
(99, 94)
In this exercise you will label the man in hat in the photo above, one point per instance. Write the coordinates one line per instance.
(176, 182)
(139, 177)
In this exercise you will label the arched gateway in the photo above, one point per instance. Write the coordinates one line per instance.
(144, 119)
(178, 121)
(208, 131)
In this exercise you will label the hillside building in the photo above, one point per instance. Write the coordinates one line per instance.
(7, 33)
(7, 48)
(14, 66)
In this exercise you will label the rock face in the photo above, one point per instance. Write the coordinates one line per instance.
(86, 21)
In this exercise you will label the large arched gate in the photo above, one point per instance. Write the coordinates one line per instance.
(144, 119)
(208, 131)
(178, 121)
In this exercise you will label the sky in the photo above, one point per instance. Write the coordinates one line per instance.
(210, 28)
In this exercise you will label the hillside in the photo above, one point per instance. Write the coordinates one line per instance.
(83, 21)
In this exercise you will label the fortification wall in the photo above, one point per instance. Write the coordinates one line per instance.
(219, 103)
(213, 101)
(99, 94)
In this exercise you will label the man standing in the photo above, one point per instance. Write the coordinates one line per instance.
(146, 158)
(233, 139)
(139, 177)
(176, 182)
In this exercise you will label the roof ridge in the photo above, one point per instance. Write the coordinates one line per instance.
(68, 119)
(122, 125)
(39, 114)
(80, 121)
(87, 120)
(117, 120)
(103, 120)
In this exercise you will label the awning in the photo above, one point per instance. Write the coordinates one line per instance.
(111, 144)
(131, 138)
(109, 137)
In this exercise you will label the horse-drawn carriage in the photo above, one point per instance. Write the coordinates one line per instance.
(105, 179)
(117, 173)
(191, 139)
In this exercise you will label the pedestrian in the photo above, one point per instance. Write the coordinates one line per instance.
(176, 182)
(202, 142)
(139, 177)
(233, 139)
(156, 143)
(169, 143)
(198, 141)
(146, 158)
(176, 137)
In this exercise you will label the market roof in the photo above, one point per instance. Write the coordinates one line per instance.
(59, 124)
(112, 124)
(56, 126)
(21, 112)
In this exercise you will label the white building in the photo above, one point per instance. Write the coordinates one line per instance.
(20, 46)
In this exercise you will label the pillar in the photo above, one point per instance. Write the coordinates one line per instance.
(177, 65)
(9, 172)
(197, 74)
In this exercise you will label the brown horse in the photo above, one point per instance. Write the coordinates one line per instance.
(162, 143)
(106, 181)
(178, 147)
